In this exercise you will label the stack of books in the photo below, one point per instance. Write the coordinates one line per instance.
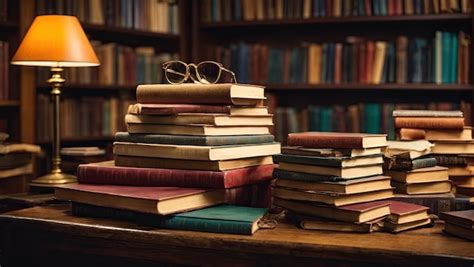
(459, 223)
(452, 139)
(188, 147)
(335, 176)
(414, 170)
(16, 165)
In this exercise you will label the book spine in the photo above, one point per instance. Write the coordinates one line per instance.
(411, 134)
(445, 160)
(407, 165)
(437, 205)
(86, 210)
(307, 160)
(430, 123)
(89, 174)
(324, 141)
(424, 163)
(305, 177)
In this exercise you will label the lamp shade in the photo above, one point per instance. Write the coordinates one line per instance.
(55, 41)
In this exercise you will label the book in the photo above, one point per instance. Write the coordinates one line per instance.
(330, 198)
(321, 224)
(356, 213)
(465, 190)
(328, 152)
(408, 149)
(427, 113)
(454, 159)
(437, 203)
(462, 180)
(151, 199)
(173, 109)
(454, 171)
(201, 118)
(454, 123)
(17, 171)
(423, 188)
(193, 140)
(353, 172)
(424, 175)
(464, 218)
(203, 165)
(458, 231)
(435, 134)
(67, 151)
(353, 186)
(337, 140)
(408, 164)
(308, 177)
(343, 162)
(453, 147)
(14, 160)
(6, 148)
(107, 173)
(191, 93)
(227, 219)
(396, 228)
(195, 129)
(195, 152)
(401, 212)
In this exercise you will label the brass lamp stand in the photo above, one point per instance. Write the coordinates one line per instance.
(56, 176)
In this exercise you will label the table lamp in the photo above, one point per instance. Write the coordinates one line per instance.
(55, 41)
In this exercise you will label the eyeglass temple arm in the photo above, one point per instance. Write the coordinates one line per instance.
(175, 72)
(231, 72)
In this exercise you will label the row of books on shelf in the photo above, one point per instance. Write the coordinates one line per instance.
(362, 117)
(248, 10)
(120, 65)
(443, 59)
(147, 15)
(91, 116)
(4, 66)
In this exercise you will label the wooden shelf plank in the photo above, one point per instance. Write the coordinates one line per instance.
(460, 17)
(361, 87)
(132, 37)
(9, 103)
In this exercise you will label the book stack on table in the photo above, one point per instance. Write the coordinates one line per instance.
(453, 144)
(188, 148)
(459, 223)
(338, 177)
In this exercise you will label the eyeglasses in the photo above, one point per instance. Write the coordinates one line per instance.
(206, 72)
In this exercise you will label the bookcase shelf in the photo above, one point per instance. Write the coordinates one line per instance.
(363, 87)
(9, 103)
(405, 19)
(132, 37)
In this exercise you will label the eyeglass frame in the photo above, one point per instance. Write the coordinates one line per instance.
(187, 75)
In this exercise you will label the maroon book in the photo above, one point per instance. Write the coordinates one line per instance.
(171, 109)
(463, 218)
(400, 209)
(107, 173)
(337, 140)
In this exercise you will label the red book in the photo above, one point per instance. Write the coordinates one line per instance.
(369, 61)
(391, 7)
(464, 218)
(338, 64)
(155, 200)
(398, 7)
(171, 109)
(107, 173)
(368, 7)
(337, 140)
(402, 212)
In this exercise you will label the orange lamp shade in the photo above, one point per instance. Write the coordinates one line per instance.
(55, 41)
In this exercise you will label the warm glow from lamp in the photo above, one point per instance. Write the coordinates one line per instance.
(55, 41)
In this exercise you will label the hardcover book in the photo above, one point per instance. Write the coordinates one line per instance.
(204, 119)
(437, 203)
(309, 177)
(172, 109)
(191, 93)
(453, 147)
(435, 134)
(424, 175)
(337, 140)
(396, 228)
(423, 188)
(328, 152)
(407, 164)
(155, 200)
(193, 140)
(401, 212)
(353, 172)
(458, 231)
(108, 173)
(408, 149)
(203, 165)
(356, 213)
(464, 218)
(429, 123)
(195, 129)
(343, 162)
(321, 224)
(427, 113)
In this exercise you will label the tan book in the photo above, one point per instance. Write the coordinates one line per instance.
(329, 198)
(202, 118)
(173, 109)
(314, 66)
(435, 134)
(279, 9)
(322, 152)
(195, 129)
(195, 152)
(353, 186)
(460, 170)
(204, 165)
(452, 147)
(321, 224)
(357, 213)
(191, 93)
(408, 149)
(396, 228)
(337, 8)
(423, 175)
(458, 231)
(443, 6)
(307, 9)
(22, 170)
(380, 51)
(435, 5)
(353, 172)
(409, 8)
(423, 188)
(12, 148)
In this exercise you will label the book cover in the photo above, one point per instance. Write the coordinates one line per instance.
(464, 218)
(329, 161)
(430, 122)
(407, 165)
(336, 140)
(437, 203)
(107, 173)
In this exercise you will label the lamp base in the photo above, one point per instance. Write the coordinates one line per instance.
(54, 179)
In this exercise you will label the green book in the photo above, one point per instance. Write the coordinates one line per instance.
(372, 114)
(446, 57)
(325, 122)
(454, 58)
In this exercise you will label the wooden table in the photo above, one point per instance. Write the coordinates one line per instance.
(51, 236)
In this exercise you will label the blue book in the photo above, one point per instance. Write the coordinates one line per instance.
(454, 58)
(383, 7)
(330, 63)
(314, 118)
(237, 10)
(446, 57)
(326, 119)
(376, 7)
(322, 8)
(315, 8)
(372, 114)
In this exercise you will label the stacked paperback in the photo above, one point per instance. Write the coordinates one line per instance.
(453, 144)
(337, 179)
(459, 223)
(188, 148)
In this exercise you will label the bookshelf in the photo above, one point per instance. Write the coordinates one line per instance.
(219, 25)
